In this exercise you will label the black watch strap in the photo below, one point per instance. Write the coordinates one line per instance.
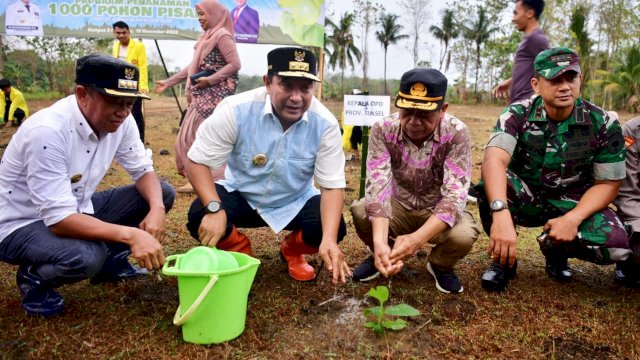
(213, 207)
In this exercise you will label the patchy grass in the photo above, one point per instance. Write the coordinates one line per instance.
(536, 318)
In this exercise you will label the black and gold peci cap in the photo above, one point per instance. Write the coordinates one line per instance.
(422, 89)
(109, 75)
(292, 62)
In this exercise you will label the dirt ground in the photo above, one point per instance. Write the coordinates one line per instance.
(536, 318)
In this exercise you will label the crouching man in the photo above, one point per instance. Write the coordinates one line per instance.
(555, 161)
(52, 222)
(418, 175)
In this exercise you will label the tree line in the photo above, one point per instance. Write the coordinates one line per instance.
(478, 39)
(474, 36)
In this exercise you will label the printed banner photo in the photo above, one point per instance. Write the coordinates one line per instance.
(294, 22)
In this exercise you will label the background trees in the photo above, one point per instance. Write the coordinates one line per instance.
(448, 31)
(389, 34)
(342, 44)
(472, 41)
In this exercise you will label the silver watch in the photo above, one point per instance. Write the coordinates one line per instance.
(498, 205)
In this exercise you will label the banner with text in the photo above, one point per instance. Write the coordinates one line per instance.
(364, 110)
(294, 22)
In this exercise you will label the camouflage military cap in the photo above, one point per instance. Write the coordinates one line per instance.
(554, 62)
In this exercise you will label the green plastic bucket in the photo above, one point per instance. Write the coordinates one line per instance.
(213, 286)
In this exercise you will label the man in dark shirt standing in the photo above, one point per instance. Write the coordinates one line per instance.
(526, 16)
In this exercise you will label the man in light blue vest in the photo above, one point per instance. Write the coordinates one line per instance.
(276, 140)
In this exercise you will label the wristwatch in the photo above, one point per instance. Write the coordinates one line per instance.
(497, 205)
(213, 207)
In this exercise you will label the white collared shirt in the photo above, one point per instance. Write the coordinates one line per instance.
(55, 161)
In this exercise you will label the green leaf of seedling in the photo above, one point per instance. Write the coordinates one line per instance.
(370, 324)
(397, 324)
(377, 328)
(401, 310)
(381, 293)
(374, 310)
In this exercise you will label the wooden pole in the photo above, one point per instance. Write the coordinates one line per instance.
(320, 74)
(167, 73)
(363, 161)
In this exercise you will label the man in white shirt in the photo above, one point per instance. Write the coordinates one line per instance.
(52, 222)
(23, 17)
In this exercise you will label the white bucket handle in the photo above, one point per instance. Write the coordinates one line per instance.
(178, 319)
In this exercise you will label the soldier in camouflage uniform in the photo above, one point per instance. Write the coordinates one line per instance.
(555, 161)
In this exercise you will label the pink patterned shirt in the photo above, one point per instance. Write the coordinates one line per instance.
(435, 176)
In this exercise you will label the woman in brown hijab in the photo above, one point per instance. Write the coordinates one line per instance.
(216, 61)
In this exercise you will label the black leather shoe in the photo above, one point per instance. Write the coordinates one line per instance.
(496, 278)
(558, 268)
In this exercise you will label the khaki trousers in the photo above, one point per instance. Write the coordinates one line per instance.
(450, 245)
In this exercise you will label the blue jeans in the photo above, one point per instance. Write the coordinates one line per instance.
(59, 260)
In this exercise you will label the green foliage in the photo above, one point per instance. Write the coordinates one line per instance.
(479, 30)
(499, 53)
(578, 30)
(42, 95)
(332, 86)
(377, 315)
(620, 87)
(39, 64)
(249, 82)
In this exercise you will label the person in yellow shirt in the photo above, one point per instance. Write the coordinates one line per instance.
(133, 52)
(13, 108)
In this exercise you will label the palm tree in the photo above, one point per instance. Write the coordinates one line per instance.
(478, 31)
(578, 28)
(445, 34)
(623, 81)
(387, 35)
(343, 47)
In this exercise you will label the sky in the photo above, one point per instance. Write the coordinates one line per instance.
(177, 54)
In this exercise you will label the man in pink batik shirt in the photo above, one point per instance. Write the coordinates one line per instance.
(418, 175)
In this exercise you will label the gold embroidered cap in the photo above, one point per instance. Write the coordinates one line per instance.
(108, 75)
(422, 89)
(292, 62)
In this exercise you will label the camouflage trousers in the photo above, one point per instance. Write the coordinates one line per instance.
(602, 238)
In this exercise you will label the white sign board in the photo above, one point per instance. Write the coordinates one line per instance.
(364, 110)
